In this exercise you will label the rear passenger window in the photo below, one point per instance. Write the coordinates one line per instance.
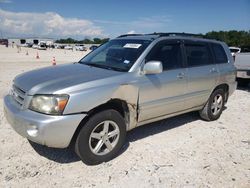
(219, 53)
(198, 54)
(168, 53)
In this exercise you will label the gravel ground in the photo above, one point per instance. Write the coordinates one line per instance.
(183, 151)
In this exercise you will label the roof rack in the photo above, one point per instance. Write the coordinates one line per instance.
(128, 35)
(177, 34)
(165, 35)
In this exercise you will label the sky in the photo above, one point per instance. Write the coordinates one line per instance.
(110, 18)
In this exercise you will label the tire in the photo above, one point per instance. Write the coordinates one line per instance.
(212, 110)
(101, 138)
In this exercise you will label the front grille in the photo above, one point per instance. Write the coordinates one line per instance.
(18, 95)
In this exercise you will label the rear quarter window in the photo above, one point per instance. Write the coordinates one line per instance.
(219, 53)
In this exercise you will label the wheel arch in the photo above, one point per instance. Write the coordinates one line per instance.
(225, 88)
(121, 106)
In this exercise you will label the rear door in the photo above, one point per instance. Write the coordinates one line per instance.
(202, 72)
(162, 94)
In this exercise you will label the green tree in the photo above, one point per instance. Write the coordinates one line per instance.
(232, 38)
(105, 40)
(97, 40)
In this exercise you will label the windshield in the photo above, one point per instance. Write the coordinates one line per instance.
(118, 54)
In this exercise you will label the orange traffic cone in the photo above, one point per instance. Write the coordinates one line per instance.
(27, 53)
(53, 61)
(37, 55)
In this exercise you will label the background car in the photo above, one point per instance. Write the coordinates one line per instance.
(29, 44)
(35, 46)
(42, 47)
(68, 47)
(80, 47)
(93, 47)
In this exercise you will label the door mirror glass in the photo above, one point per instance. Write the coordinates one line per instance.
(152, 67)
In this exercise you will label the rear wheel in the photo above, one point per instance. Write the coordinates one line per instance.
(214, 106)
(101, 138)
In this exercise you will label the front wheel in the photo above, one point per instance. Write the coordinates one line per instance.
(214, 106)
(101, 138)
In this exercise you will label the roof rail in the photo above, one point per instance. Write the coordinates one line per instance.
(178, 34)
(166, 35)
(127, 35)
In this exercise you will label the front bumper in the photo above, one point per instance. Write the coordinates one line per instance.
(52, 131)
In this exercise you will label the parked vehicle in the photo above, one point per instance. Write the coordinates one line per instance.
(42, 46)
(35, 46)
(4, 42)
(234, 50)
(242, 63)
(125, 83)
(68, 47)
(29, 45)
(80, 47)
(93, 47)
(58, 46)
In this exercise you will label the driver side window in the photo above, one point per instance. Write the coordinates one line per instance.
(168, 53)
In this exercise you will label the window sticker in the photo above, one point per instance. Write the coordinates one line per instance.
(126, 61)
(132, 45)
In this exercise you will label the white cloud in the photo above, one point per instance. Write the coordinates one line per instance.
(47, 24)
(145, 22)
(5, 1)
(141, 25)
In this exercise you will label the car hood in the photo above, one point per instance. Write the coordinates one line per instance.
(50, 79)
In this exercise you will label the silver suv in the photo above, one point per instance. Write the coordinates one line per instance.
(125, 83)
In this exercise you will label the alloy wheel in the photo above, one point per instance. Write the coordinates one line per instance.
(104, 137)
(217, 104)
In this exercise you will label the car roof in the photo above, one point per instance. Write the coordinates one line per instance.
(180, 36)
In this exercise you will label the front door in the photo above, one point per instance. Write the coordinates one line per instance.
(162, 94)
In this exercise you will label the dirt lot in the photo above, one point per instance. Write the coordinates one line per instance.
(179, 152)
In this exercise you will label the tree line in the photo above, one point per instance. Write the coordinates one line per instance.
(232, 38)
(85, 41)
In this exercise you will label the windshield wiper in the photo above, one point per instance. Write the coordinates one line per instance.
(118, 69)
(105, 67)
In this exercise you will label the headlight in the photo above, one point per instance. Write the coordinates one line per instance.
(49, 104)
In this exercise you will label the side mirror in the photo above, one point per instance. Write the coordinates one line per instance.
(152, 67)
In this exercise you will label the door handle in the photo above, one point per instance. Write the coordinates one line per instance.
(180, 75)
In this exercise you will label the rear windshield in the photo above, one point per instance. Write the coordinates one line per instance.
(117, 54)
